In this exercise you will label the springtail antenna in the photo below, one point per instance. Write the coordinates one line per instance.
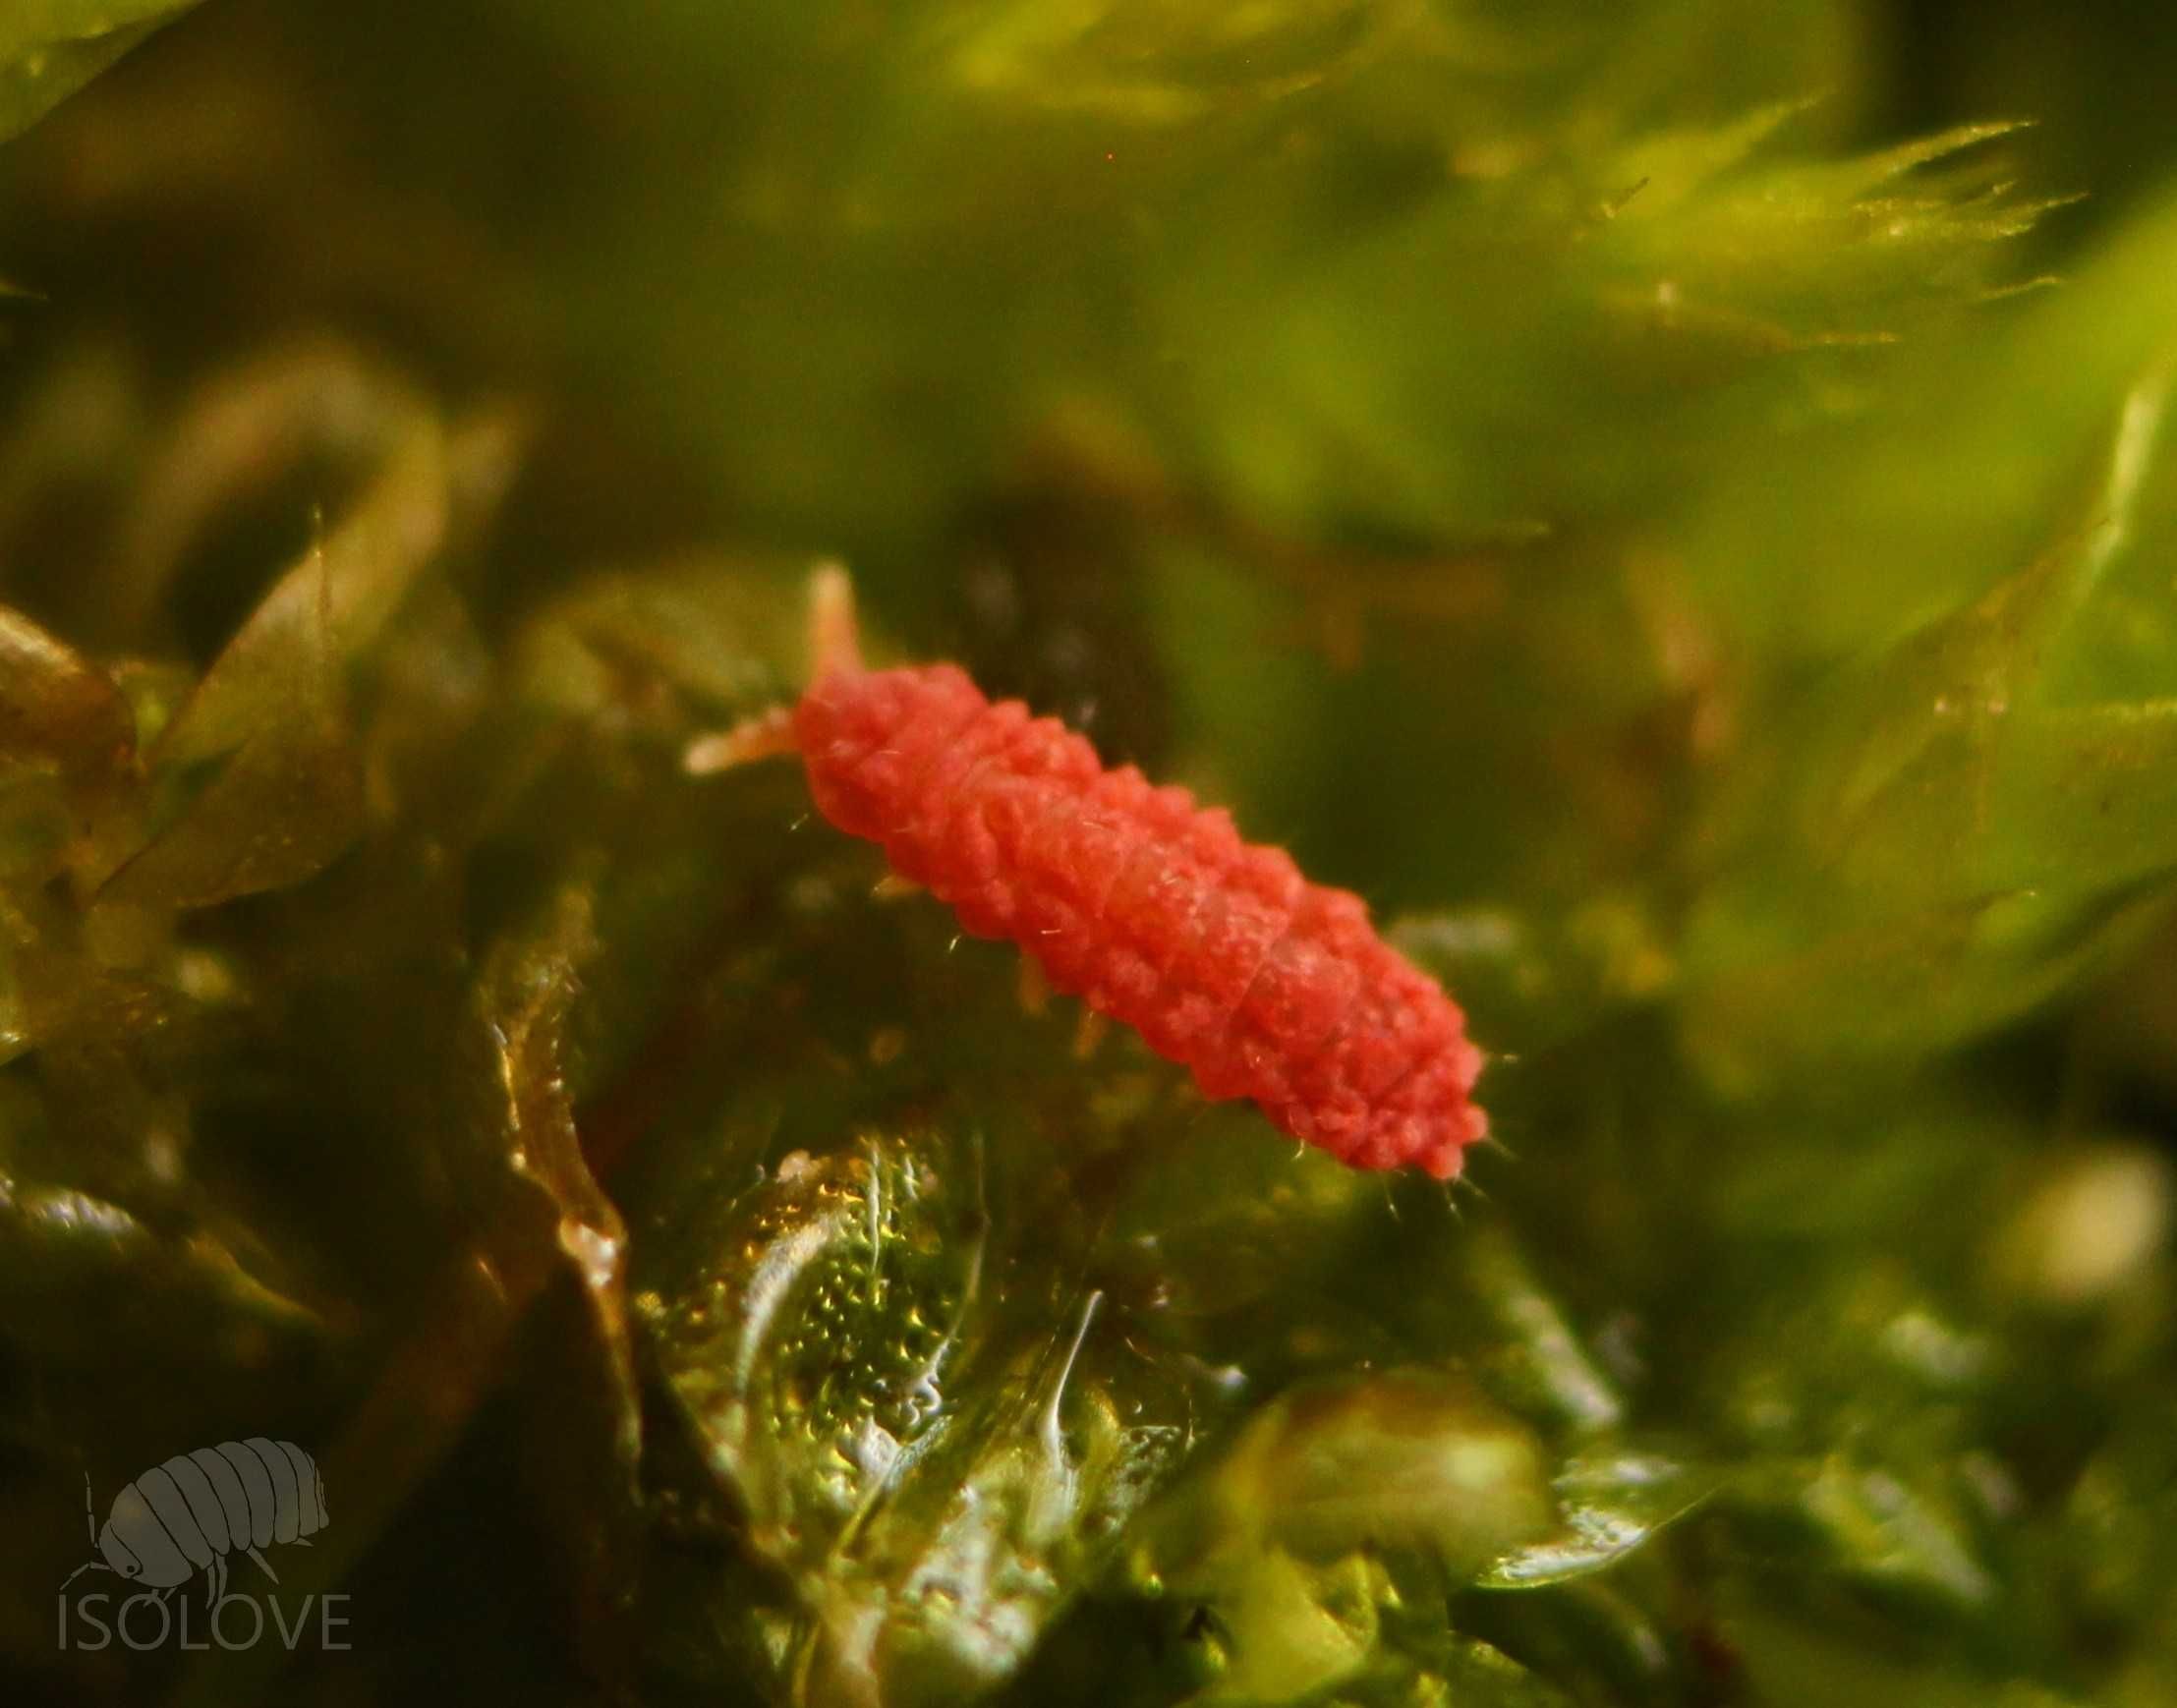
(835, 637)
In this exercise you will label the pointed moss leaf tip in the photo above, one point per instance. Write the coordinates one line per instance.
(48, 51)
(1830, 928)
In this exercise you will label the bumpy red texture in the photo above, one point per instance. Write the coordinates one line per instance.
(1152, 910)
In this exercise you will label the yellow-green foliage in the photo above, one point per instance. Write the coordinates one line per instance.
(1702, 566)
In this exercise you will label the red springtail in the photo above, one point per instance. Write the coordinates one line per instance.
(1147, 906)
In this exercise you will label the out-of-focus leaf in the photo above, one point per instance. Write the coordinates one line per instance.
(1859, 1420)
(1871, 1527)
(1926, 1178)
(1403, 1460)
(262, 750)
(1408, 1461)
(49, 48)
(278, 810)
(1516, 1333)
(67, 751)
(1145, 65)
(1293, 1541)
(54, 707)
(70, 1261)
(309, 404)
(1527, 983)
(2114, 1555)
(725, 639)
(1227, 1219)
(1653, 311)
(1833, 930)
(329, 607)
(1239, 211)
(168, 1292)
(1783, 1658)
(1884, 233)
(1890, 522)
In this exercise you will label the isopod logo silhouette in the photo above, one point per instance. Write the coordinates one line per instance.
(189, 1514)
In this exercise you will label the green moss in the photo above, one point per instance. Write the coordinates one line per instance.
(1671, 545)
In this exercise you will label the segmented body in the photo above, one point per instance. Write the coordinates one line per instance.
(189, 1514)
(1150, 908)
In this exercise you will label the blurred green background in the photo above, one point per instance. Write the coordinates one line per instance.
(1672, 502)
